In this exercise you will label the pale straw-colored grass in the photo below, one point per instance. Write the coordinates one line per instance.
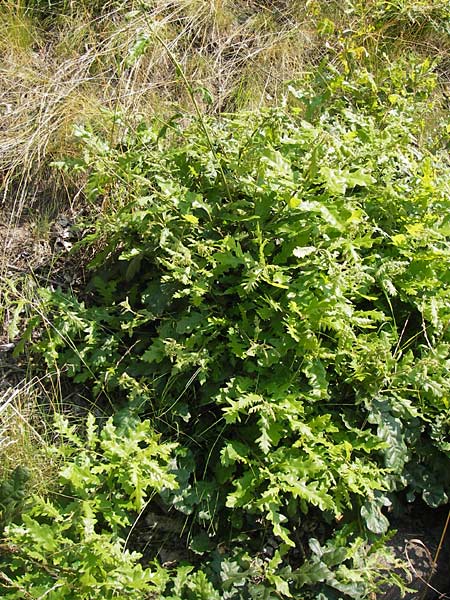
(52, 80)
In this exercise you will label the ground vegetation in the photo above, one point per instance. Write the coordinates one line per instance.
(225, 349)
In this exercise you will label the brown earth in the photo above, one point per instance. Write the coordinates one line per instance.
(419, 534)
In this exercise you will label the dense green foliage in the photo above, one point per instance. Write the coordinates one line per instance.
(72, 540)
(269, 293)
(13, 491)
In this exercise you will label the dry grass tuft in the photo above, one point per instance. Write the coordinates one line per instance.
(24, 433)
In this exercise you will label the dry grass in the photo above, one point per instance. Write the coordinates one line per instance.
(60, 70)
(24, 433)
(50, 80)
(77, 66)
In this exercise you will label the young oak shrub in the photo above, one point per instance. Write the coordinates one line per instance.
(272, 289)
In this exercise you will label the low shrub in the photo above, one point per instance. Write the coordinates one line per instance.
(69, 545)
(270, 289)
